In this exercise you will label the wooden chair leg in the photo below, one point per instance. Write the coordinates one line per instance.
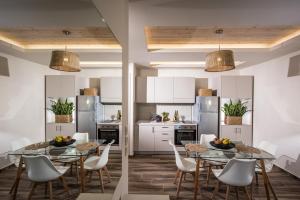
(237, 192)
(247, 193)
(66, 188)
(256, 178)
(77, 172)
(32, 190)
(176, 176)
(50, 190)
(101, 180)
(179, 184)
(107, 173)
(272, 190)
(227, 192)
(208, 175)
(216, 190)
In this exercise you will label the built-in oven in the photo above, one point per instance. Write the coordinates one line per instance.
(108, 132)
(184, 132)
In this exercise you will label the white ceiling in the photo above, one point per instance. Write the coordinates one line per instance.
(201, 13)
(210, 13)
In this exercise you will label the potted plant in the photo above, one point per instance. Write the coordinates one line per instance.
(63, 110)
(234, 112)
(165, 116)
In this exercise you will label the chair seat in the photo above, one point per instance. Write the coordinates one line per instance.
(217, 172)
(62, 169)
(91, 162)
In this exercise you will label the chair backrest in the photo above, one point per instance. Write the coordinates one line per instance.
(40, 168)
(206, 138)
(179, 162)
(271, 149)
(238, 172)
(16, 145)
(104, 156)
(81, 136)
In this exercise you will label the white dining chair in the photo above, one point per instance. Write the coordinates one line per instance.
(205, 140)
(184, 165)
(271, 149)
(98, 164)
(236, 173)
(41, 170)
(84, 137)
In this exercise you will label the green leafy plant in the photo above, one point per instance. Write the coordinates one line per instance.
(235, 109)
(61, 107)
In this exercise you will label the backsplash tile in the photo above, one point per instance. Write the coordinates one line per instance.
(109, 110)
(183, 110)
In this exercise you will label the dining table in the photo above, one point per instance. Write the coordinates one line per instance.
(79, 149)
(202, 152)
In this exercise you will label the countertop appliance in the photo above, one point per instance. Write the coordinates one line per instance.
(88, 114)
(109, 131)
(184, 132)
(206, 113)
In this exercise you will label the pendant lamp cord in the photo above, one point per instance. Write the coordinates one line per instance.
(67, 33)
(219, 32)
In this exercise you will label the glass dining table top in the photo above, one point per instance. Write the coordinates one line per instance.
(212, 153)
(78, 148)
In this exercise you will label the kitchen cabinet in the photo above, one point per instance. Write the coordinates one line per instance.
(237, 87)
(184, 90)
(60, 86)
(145, 91)
(237, 133)
(146, 138)
(64, 129)
(155, 138)
(164, 89)
(111, 89)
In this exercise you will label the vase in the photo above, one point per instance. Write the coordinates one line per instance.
(63, 118)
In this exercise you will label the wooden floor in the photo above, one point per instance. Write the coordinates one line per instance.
(150, 174)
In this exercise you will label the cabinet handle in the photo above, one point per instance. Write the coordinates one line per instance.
(165, 127)
(152, 129)
(164, 140)
(60, 128)
(55, 128)
(165, 133)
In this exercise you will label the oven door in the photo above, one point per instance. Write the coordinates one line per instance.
(184, 135)
(109, 135)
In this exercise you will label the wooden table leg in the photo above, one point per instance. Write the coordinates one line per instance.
(272, 190)
(82, 179)
(264, 174)
(196, 178)
(19, 173)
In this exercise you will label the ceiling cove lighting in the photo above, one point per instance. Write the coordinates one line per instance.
(65, 60)
(221, 60)
(194, 64)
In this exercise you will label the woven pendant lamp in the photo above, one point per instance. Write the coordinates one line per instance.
(219, 61)
(65, 60)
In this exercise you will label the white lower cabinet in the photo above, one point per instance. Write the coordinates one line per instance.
(237, 133)
(155, 138)
(64, 129)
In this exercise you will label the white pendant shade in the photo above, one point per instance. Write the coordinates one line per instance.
(65, 61)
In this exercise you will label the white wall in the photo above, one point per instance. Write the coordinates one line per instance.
(277, 109)
(22, 111)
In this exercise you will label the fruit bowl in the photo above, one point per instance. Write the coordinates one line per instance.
(222, 146)
(61, 141)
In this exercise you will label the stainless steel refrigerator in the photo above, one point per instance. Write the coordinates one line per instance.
(206, 113)
(89, 111)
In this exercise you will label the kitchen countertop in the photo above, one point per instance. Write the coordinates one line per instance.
(169, 123)
(110, 122)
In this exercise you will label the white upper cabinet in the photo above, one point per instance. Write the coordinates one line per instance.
(237, 86)
(60, 86)
(164, 88)
(111, 89)
(184, 90)
(145, 92)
